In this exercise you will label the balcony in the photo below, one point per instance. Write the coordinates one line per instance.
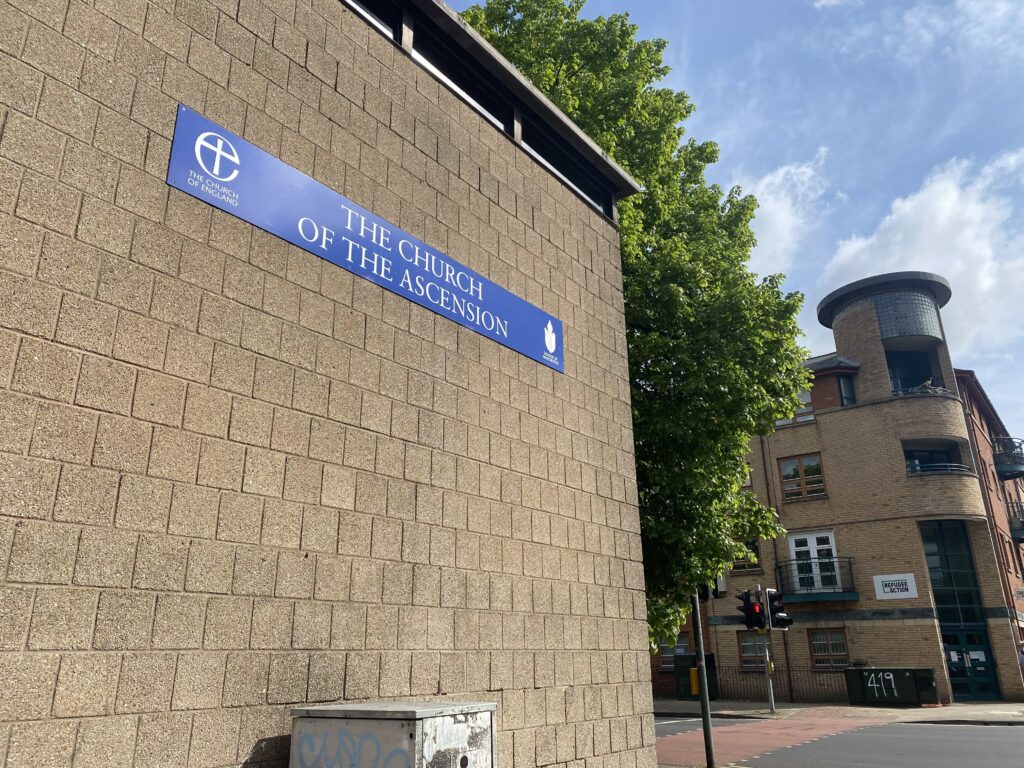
(938, 456)
(1017, 521)
(914, 468)
(900, 390)
(807, 580)
(1008, 457)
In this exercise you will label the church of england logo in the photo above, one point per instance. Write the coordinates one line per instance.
(550, 340)
(212, 147)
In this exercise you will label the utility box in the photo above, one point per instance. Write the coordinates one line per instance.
(687, 681)
(398, 734)
(872, 686)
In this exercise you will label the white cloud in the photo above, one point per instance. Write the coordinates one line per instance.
(963, 223)
(835, 3)
(790, 204)
(981, 35)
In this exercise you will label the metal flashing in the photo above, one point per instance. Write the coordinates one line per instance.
(394, 710)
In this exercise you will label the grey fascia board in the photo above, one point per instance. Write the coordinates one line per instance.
(502, 70)
(394, 710)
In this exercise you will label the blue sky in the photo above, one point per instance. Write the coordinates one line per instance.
(877, 136)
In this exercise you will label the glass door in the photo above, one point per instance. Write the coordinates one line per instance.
(815, 568)
(972, 674)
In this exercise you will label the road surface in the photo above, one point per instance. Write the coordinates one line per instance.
(839, 743)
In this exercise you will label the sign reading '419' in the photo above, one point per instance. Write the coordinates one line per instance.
(222, 169)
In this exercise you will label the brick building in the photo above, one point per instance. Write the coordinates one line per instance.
(235, 476)
(899, 489)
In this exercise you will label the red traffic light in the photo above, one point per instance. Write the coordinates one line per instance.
(753, 613)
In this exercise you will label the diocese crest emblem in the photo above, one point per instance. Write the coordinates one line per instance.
(550, 341)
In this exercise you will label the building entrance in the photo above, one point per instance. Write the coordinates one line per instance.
(972, 674)
(966, 649)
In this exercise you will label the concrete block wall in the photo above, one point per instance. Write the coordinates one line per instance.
(234, 477)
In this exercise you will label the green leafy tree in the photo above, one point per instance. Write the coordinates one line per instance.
(713, 351)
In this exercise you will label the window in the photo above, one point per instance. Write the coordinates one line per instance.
(803, 414)
(381, 14)
(930, 459)
(951, 572)
(802, 477)
(668, 650)
(847, 394)
(1011, 555)
(746, 563)
(814, 564)
(909, 370)
(488, 94)
(751, 645)
(828, 648)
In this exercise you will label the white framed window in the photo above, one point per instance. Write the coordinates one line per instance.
(803, 414)
(814, 563)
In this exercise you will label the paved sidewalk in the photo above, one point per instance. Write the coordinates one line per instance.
(747, 739)
(981, 713)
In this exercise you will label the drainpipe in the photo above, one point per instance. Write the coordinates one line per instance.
(769, 485)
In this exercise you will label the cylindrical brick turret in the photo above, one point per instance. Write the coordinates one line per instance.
(891, 325)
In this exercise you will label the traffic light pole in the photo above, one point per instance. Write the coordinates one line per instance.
(767, 657)
(768, 675)
(702, 677)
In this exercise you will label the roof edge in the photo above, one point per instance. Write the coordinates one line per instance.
(971, 379)
(474, 45)
(937, 285)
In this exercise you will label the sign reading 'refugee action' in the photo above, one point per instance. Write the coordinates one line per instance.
(895, 586)
(217, 167)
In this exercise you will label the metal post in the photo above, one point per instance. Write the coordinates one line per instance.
(766, 612)
(405, 33)
(702, 677)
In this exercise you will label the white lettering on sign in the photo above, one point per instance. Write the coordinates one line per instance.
(222, 169)
(441, 282)
(311, 233)
(895, 586)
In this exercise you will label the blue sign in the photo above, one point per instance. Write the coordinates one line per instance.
(217, 167)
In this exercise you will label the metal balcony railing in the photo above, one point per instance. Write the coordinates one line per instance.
(900, 389)
(1008, 457)
(949, 469)
(816, 578)
(1016, 510)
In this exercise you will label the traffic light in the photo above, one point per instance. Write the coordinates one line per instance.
(758, 611)
(750, 607)
(777, 616)
(716, 590)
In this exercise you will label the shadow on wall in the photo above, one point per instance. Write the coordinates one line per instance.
(270, 752)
